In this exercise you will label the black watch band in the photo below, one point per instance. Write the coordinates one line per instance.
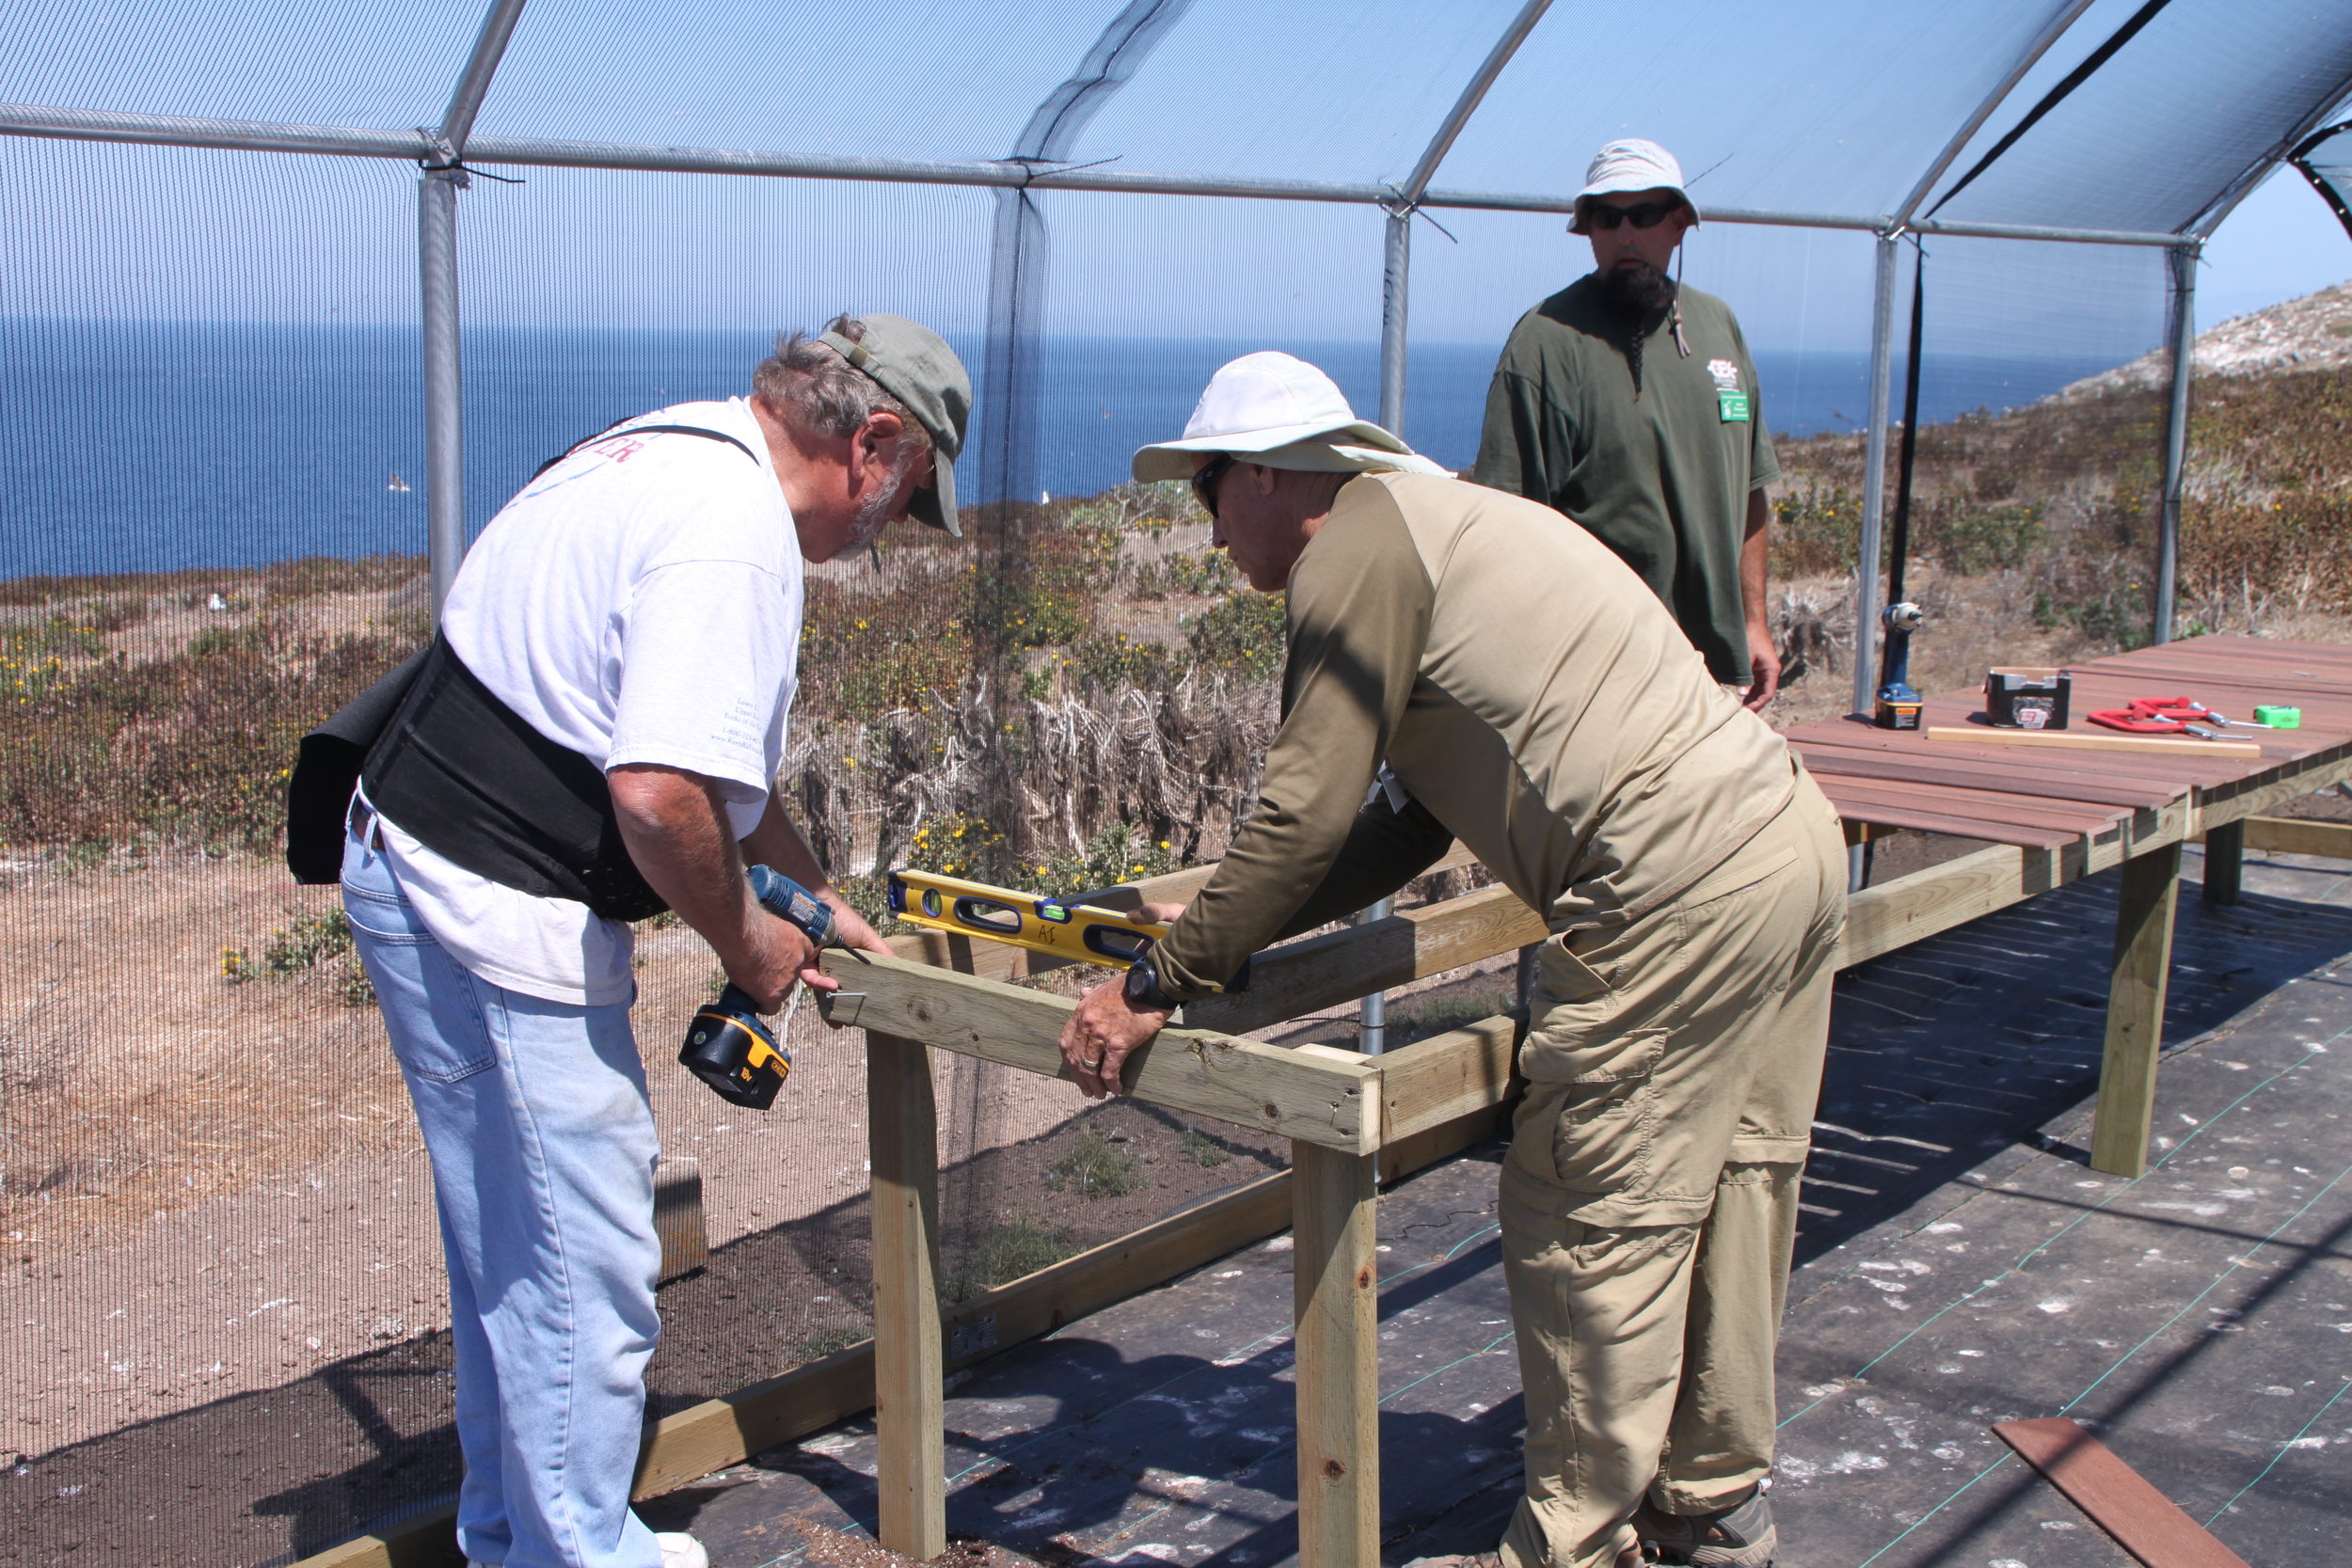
(1143, 987)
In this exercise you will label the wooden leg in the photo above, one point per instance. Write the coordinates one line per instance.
(909, 1417)
(2143, 960)
(1333, 1206)
(2225, 858)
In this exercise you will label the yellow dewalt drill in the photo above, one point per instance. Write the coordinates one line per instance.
(727, 1047)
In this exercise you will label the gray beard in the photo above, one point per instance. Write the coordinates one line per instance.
(1637, 291)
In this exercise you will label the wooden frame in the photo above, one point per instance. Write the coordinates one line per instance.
(1352, 1119)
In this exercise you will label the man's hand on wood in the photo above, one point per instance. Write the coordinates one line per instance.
(1103, 1033)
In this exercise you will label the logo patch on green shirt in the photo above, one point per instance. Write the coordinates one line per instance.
(1730, 406)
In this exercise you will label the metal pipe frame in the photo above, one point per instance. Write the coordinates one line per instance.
(473, 85)
(2183, 325)
(2054, 30)
(444, 408)
(1866, 600)
(1395, 291)
(444, 175)
(22, 120)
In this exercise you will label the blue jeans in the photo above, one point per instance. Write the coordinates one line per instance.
(543, 1149)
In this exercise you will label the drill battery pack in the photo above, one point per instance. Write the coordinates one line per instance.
(729, 1049)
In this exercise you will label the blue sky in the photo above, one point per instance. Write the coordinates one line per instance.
(1833, 105)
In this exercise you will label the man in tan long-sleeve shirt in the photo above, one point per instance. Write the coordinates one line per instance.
(1533, 699)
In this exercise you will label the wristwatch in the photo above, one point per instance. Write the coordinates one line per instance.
(1143, 987)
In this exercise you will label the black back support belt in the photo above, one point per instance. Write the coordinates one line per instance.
(476, 784)
(469, 777)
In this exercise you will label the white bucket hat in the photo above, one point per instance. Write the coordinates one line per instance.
(1273, 409)
(1631, 165)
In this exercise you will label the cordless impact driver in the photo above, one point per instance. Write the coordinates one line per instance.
(727, 1047)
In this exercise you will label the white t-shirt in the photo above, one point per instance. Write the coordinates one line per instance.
(640, 602)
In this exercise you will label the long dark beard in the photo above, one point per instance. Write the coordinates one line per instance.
(1639, 290)
(1639, 293)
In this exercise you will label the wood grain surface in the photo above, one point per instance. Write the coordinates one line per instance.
(1960, 776)
(2119, 1499)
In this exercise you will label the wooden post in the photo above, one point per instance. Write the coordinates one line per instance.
(2143, 962)
(2225, 857)
(1337, 1375)
(910, 1420)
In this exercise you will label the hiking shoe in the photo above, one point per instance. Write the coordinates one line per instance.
(680, 1550)
(1741, 1537)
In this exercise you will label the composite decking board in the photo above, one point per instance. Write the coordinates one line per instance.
(2072, 817)
(1904, 814)
(2007, 793)
(2321, 717)
(2184, 771)
(1855, 763)
(2238, 693)
(2119, 1499)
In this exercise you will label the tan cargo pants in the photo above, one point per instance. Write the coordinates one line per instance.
(1650, 1201)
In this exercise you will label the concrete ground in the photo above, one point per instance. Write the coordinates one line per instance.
(1959, 1265)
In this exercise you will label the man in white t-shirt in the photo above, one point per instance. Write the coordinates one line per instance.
(594, 738)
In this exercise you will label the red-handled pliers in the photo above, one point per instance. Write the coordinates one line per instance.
(2159, 716)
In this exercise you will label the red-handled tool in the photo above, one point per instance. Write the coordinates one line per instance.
(2160, 716)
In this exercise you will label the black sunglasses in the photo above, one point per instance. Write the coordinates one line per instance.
(1205, 480)
(1646, 214)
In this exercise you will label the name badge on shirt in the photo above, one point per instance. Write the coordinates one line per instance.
(1731, 403)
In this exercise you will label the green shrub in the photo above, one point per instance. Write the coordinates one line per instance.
(1975, 540)
(1118, 853)
(1092, 1166)
(1816, 531)
(1020, 1246)
(1201, 1149)
(1100, 663)
(828, 1341)
(309, 939)
(1241, 635)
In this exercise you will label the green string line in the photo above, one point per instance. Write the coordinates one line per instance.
(2053, 1238)
(2284, 1449)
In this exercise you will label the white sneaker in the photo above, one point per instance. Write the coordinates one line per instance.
(680, 1550)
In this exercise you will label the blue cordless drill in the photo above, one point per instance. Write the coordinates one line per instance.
(727, 1047)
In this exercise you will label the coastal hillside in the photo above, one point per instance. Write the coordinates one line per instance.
(2312, 333)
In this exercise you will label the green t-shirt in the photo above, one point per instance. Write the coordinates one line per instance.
(1661, 475)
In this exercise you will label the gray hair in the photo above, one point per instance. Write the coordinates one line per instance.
(809, 385)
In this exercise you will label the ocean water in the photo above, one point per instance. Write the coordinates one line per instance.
(137, 445)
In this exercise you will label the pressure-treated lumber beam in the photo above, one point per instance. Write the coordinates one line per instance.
(2143, 963)
(909, 1421)
(1336, 1296)
(1439, 1080)
(2226, 802)
(2292, 835)
(1322, 972)
(1331, 1102)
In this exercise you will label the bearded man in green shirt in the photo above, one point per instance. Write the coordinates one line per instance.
(1628, 403)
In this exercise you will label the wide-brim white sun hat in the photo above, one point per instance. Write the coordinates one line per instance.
(1274, 410)
(1631, 165)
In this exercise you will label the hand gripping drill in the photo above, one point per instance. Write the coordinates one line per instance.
(727, 1047)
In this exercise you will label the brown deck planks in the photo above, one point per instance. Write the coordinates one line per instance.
(2119, 1499)
(2010, 794)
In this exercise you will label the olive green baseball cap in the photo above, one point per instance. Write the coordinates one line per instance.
(914, 365)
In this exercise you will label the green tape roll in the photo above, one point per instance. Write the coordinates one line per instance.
(2279, 717)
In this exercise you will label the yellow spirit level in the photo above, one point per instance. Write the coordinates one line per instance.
(1078, 932)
